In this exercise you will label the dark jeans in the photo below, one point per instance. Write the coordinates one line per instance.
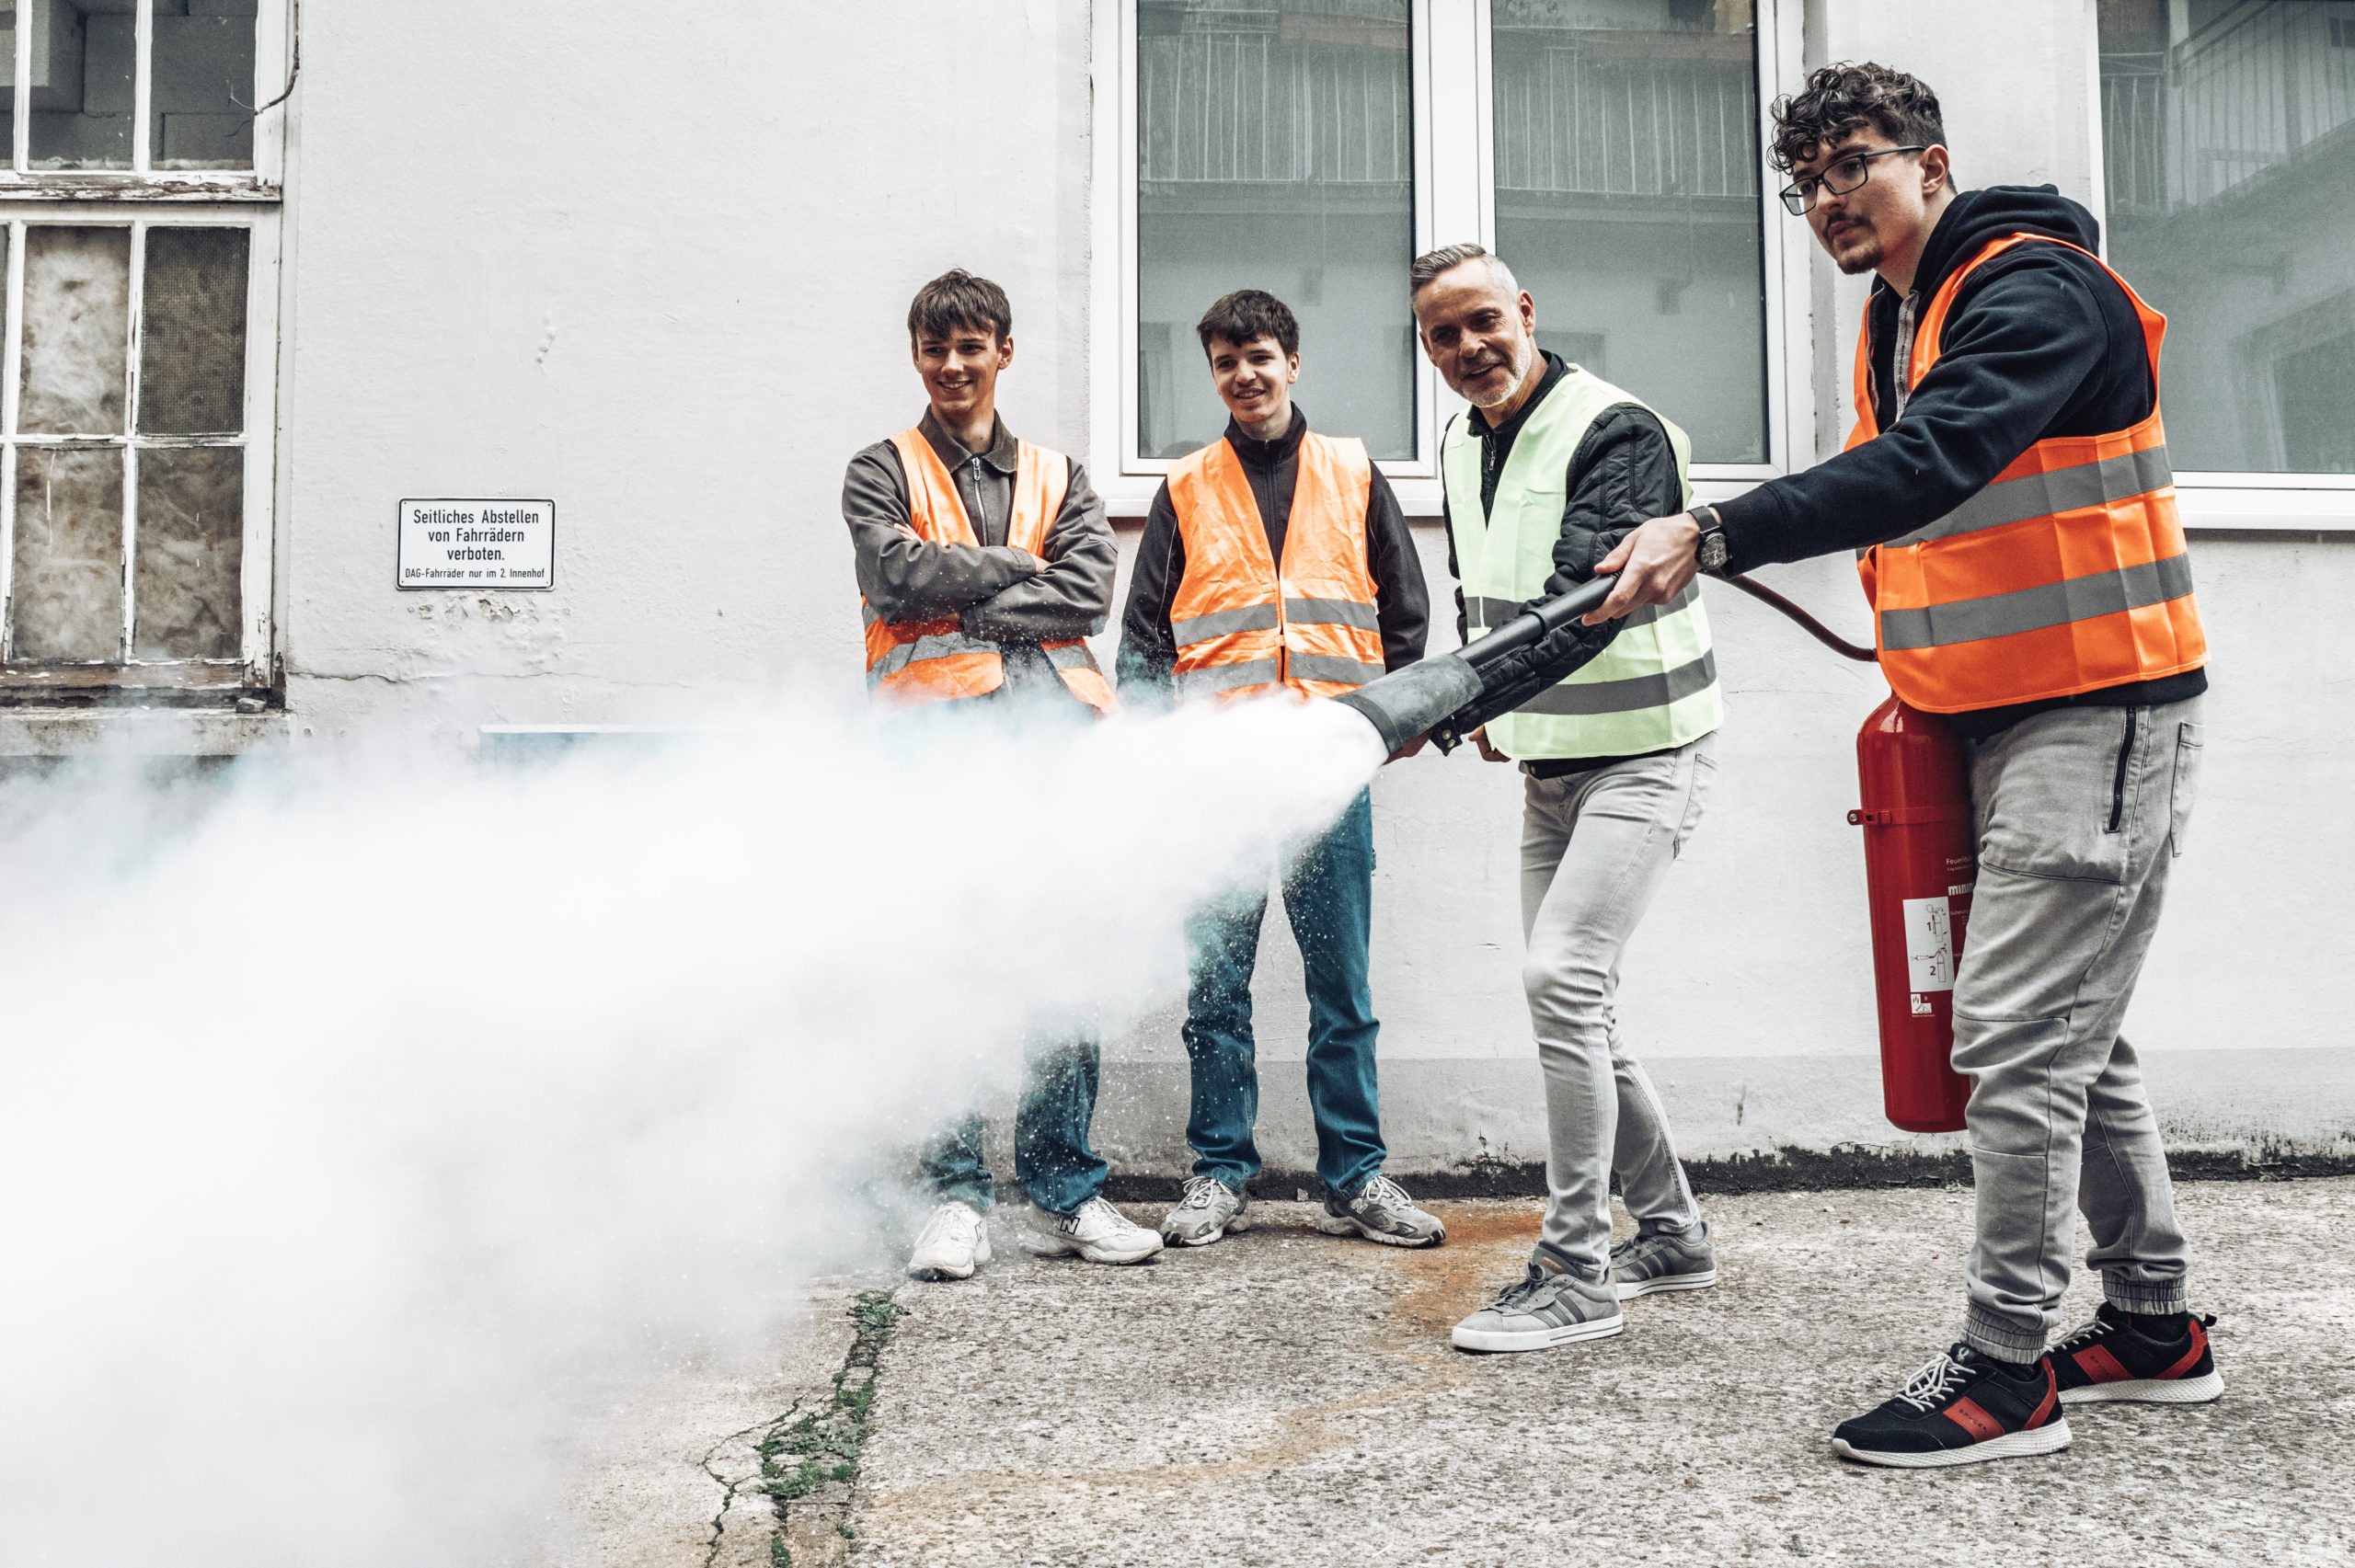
(1052, 1162)
(1328, 896)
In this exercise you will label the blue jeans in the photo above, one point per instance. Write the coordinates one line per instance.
(1052, 1162)
(1329, 897)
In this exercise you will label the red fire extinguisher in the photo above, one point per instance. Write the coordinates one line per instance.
(1921, 860)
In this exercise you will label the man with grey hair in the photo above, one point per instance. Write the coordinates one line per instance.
(1615, 727)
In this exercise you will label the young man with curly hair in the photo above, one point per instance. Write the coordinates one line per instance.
(2007, 495)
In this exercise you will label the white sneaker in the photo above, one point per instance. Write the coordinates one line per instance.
(1095, 1230)
(952, 1244)
(1211, 1210)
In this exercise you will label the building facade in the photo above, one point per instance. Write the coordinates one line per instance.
(271, 274)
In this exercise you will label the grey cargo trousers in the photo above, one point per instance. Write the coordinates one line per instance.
(2080, 812)
(1595, 847)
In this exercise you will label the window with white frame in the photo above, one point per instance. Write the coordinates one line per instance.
(1610, 150)
(2228, 161)
(137, 349)
(1627, 200)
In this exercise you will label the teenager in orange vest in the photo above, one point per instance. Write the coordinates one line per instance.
(1275, 564)
(2007, 493)
(982, 562)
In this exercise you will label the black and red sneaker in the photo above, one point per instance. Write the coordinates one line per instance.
(2158, 1359)
(1960, 1409)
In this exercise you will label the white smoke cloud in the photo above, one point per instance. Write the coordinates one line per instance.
(359, 1112)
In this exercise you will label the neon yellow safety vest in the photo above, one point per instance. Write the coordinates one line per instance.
(1656, 685)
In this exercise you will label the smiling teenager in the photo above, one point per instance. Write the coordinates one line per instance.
(2007, 493)
(1275, 563)
(982, 562)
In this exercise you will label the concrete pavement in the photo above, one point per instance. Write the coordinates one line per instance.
(1283, 1398)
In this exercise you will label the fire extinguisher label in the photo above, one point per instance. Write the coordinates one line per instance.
(1929, 946)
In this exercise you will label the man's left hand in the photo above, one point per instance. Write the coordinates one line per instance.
(1654, 562)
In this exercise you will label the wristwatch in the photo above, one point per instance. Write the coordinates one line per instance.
(1710, 551)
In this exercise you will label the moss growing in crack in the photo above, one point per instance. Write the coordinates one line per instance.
(824, 1446)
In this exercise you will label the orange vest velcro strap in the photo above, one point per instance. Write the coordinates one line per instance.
(1241, 620)
(2034, 609)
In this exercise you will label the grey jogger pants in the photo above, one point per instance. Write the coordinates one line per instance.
(2080, 812)
(1594, 849)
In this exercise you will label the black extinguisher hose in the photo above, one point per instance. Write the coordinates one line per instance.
(1815, 628)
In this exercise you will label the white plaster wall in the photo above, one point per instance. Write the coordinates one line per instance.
(537, 251)
(666, 285)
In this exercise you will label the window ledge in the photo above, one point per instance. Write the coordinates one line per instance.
(135, 188)
(139, 732)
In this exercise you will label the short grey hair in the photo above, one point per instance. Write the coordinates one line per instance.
(1431, 263)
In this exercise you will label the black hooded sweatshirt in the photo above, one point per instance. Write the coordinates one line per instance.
(2039, 342)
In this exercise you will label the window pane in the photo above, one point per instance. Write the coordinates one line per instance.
(192, 333)
(1628, 201)
(2226, 138)
(205, 70)
(191, 544)
(1275, 150)
(77, 327)
(82, 57)
(67, 592)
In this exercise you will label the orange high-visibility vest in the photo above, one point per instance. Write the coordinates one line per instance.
(909, 662)
(1243, 627)
(2065, 573)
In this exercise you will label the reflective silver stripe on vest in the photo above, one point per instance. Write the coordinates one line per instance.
(1226, 677)
(1333, 613)
(2034, 609)
(1487, 614)
(1074, 657)
(2041, 495)
(939, 647)
(1221, 623)
(1579, 699)
(1331, 666)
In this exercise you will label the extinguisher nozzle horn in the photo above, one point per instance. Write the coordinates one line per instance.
(1411, 702)
(1408, 702)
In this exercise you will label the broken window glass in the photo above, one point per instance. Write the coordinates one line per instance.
(190, 549)
(67, 593)
(203, 78)
(84, 61)
(192, 333)
(77, 321)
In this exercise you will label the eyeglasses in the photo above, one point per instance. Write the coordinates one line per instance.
(1839, 178)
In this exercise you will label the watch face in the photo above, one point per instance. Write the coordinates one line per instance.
(1712, 553)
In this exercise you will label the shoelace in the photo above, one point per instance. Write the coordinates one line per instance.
(945, 1222)
(2084, 1334)
(1521, 1290)
(1929, 1385)
(1199, 1191)
(1384, 1192)
(1113, 1216)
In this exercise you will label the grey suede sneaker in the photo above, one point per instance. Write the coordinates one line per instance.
(1547, 1307)
(1211, 1210)
(1382, 1212)
(1666, 1260)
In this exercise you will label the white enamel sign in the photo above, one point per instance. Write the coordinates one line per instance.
(478, 543)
